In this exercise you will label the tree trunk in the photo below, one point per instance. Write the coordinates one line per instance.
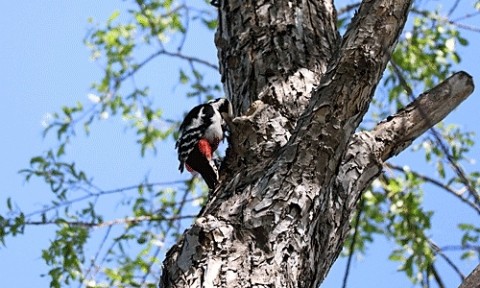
(472, 280)
(295, 169)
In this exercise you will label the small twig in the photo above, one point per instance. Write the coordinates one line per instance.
(167, 53)
(137, 67)
(352, 244)
(454, 7)
(438, 184)
(170, 225)
(437, 277)
(348, 8)
(190, 59)
(446, 20)
(94, 260)
(127, 220)
(466, 16)
(465, 26)
(460, 247)
(101, 193)
(187, 24)
(439, 252)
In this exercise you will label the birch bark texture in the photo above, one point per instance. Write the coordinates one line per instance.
(296, 168)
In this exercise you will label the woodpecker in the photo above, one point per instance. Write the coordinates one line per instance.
(201, 131)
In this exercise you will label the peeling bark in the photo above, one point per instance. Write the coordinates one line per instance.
(295, 169)
(275, 51)
(472, 280)
(398, 131)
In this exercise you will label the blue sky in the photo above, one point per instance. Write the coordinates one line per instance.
(44, 65)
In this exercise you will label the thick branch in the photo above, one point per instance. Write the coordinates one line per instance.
(346, 90)
(440, 142)
(396, 133)
(368, 150)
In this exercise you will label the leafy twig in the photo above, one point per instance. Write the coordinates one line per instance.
(438, 184)
(457, 169)
(127, 221)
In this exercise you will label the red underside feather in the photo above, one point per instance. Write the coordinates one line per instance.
(205, 148)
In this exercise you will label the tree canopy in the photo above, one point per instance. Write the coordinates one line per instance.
(126, 246)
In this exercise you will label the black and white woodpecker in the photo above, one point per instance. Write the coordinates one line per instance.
(201, 131)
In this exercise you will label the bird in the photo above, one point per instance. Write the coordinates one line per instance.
(200, 133)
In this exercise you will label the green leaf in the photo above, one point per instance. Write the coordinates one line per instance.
(466, 227)
(211, 24)
(462, 41)
(113, 16)
(37, 159)
(183, 77)
(468, 255)
(441, 169)
(9, 203)
(142, 20)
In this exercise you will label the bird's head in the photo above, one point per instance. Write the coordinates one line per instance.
(223, 106)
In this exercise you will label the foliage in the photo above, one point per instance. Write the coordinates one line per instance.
(394, 206)
(132, 247)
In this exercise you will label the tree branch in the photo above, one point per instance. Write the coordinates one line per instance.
(364, 53)
(447, 20)
(351, 249)
(460, 248)
(367, 150)
(455, 166)
(191, 59)
(102, 193)
(348, 8)
(126, 221)
(97, 254)
(436, 276)
(398, 131)
(453, 8)
(438, 251)
(438, 184)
